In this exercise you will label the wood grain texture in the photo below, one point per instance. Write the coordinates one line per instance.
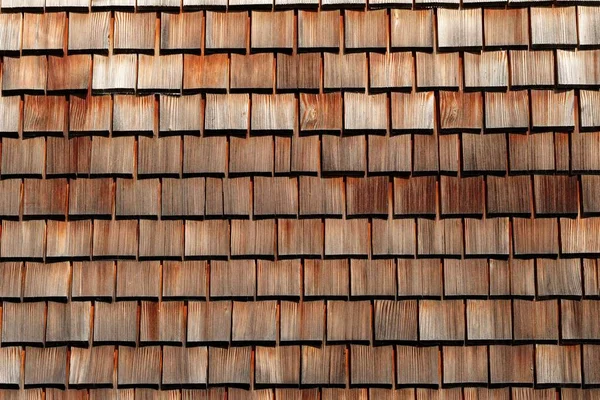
(162, 322)
(134, 31)
(461, 195)
(413, 111)
(588, 19)
(23, 157)
(553, 27)
(393, 237)
(589, 101)
(160, 73)
(484, 153)
(584, 148)
(345, 154)
(390, 70)
(562, 105)
(159, 156)
(44, 115)
(511, 364)
(23, 323)
(461, 111)
(133, 114)
(184, 366)
(207, 238)
(252, 71)
(506, 28)
(365, 29)
(558, 364)
(576, 235)
(68, 323)
(321, 112)
(459, 28)
(367, 196)
(559, 278)
(91, 366)
(69, 73)
(252, 155)
(465, 364)
(161, 239)
(273, 113)
(302, 321)
(439, 237)
(507, 111)
(138, 279)
(255, 238)
(441, 320)
(486, 70)
(93, 279)
(89, 31)
(44, 31)
(555, 195)
(319, 196)
(572, 71)
(72, 239)
(27, 73)
(372, 278)
(279, 278)
(411, 29)
(419, 277)
(277, 365)
(11, 282)
(272, 30)
(344, 71)
(371, 365)
(137, 197)
(10, 32)
(535, 320)
(234, 278)
(181, 114)
(115, 322)
(115, 238)
(23, 239)
(116, 73)
(577, 317)
(44, 197)
(227, 112)
(487, 237)
(532, 152)
(180, 31)
(46, 367)
(418, 365)
(365, 112)
(326, 278)
(209, 321)
(395, 320)
(80, 190)
(489, 320)
(219, 29)
(89, 114)
(204, 155)
(437, 70)
(323, 365)
(205, 72)
(346, 237)
(299, 71)
(467, 277)
(139, 366)
(254, 321)
(531, 68)
(318, 29)
(348, 321)
(275, 196)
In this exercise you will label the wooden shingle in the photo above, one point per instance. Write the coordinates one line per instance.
(23, 239)
(439, 237)
(371, 365)
(539, 236)
(589, 101)
(484, 153)
(499, 115)
(11, 282)
(506, 28)
(252, 238)
(159, 156)
(185, 279)
(69, 73)
(44, 197)
(395, 320)
(559, 278)
(81, 190)
(24, 74)
(277, 365)
(372, 278)
(139, 366)
(209, 322)
(419, 277)
(227, 112)
(54, 372)
(116, 73)
(389, 154)
(115, 238)
(324, 365)
(562, 105)
(577, 317)
(115, 322)
(365, 112)
(489, 320)
(558, 364)
(461, 195)
(91, 366)
(180, 32)
(571, 68)
(346, 154)
(10, 32)
(535, 320)
(418, 365)
(486, 70)
(461, 111)
(346, 237)
(161, 239)
(23, 156)
(387, 70)
(279, 278)
(204, 155)
(44, 32)
(348, 321)
(10, 120)
(162, 322)
(393, 237)
(93, 280)
(68, 322)
(273, 113)
(207, 238)
(272, 30)
(137, 197)
(70, 239)
(89, 114)
(207, 72)
(531, 68)
(511, 364)
(160, 73)
(44, 115)
(254, 321)
(134, 31)
(532, 152)
(587, 20)
(23, 323)
(318, 30)
(465, 364)
(252, 71)
(553, 27)
(302, 322)
(326, 278)
(321, 112)
(410, 196)
(300, 71)
(437, 70)
(139, 280)
(89, 32)
(133, 114)
(460, 28)
(365, 29)
(584, 147)
(367, 196)
(184, 366)
(411, 29)
(233, 278)
(465, 278)
(555, 195)
(577, 236)
(441, 320)
(344, 71)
